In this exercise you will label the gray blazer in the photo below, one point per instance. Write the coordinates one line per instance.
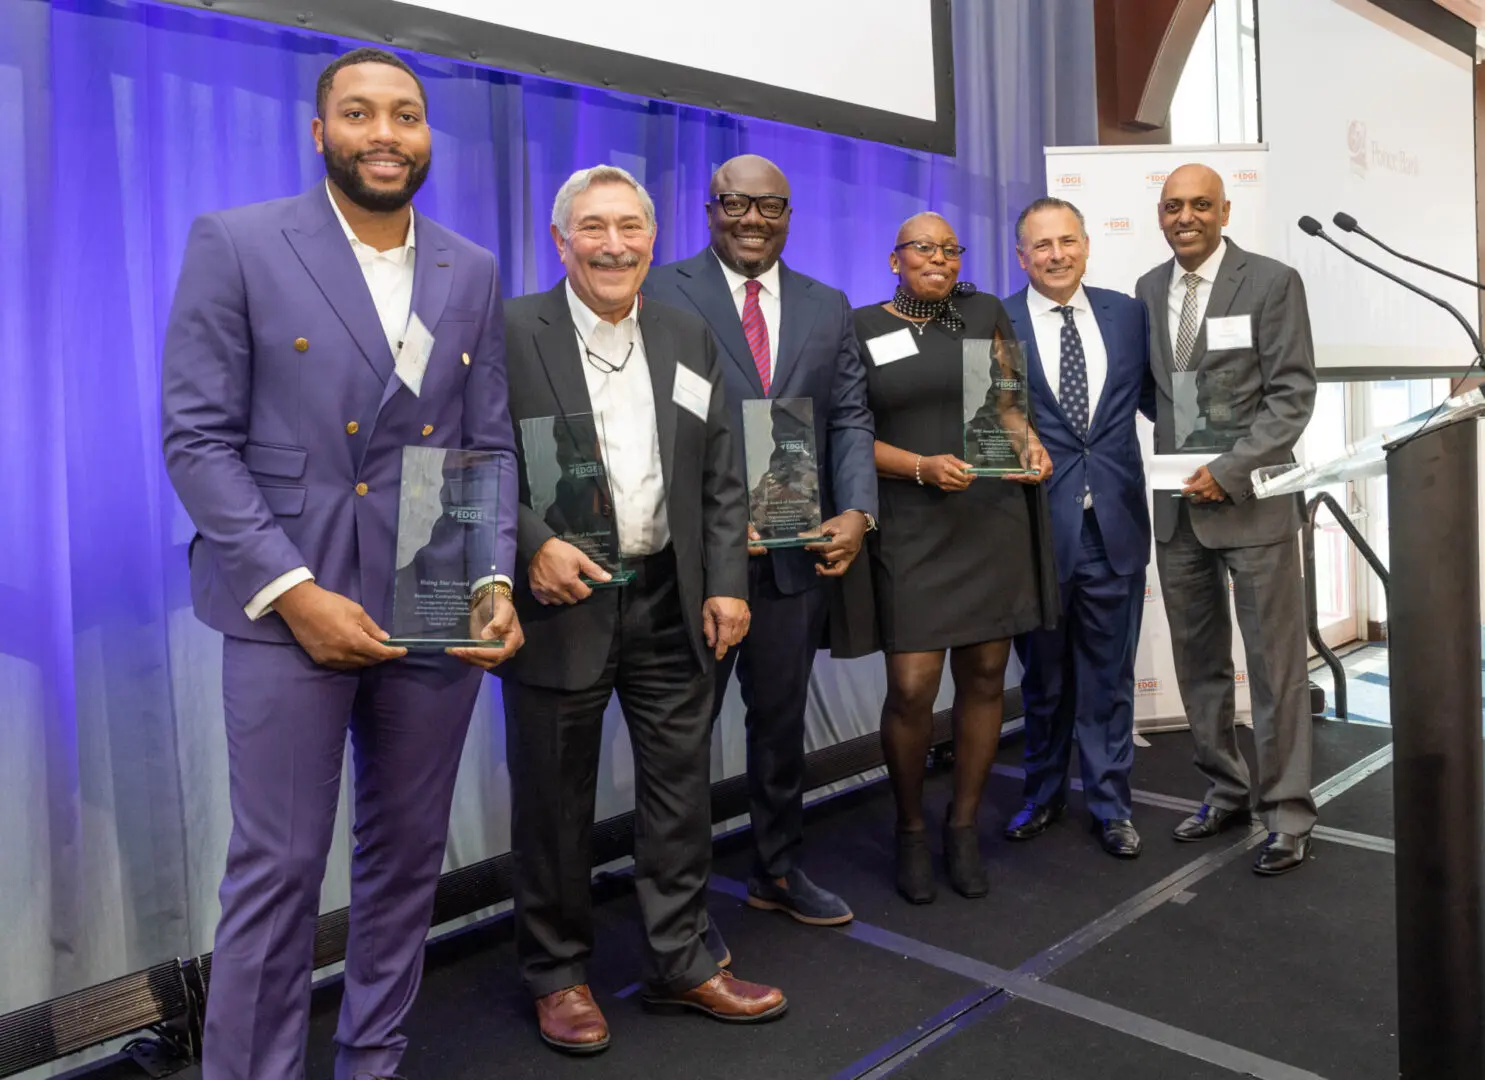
(1272, 387)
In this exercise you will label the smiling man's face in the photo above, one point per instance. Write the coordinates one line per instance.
(375, 136)
(1193, 212)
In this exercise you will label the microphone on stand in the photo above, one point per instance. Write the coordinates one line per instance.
(1312, 227)
(1347, 223)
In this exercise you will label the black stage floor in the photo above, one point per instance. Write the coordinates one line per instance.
(1180, 964)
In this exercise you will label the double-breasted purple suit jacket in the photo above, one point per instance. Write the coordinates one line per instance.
(283, 421)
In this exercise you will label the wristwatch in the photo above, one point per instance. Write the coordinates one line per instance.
(871, 522)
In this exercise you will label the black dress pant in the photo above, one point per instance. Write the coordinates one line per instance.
(553, 739)
(773, 670)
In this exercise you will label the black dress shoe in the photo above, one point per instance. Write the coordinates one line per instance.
(1209, 821)
(1281, 853)
(1032, 820)
(1118, 837)
(915, 867)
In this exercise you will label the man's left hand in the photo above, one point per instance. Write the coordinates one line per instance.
(1035, 456)
(503, 627)
(843, 535)
(724, 621)
(1202, 486)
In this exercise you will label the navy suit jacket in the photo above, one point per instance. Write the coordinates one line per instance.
(1106, 461)
(818, 358)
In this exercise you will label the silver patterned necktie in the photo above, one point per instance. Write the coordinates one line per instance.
(1186, 335)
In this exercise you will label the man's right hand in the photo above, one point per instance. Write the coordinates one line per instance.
(333, 629)
(557, 571)
(755, 548)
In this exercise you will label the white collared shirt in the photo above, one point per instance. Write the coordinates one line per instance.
(1208, 273)
(389, 274)
(1046, 321)
(624, 404)
(389, 278)
(769, 304)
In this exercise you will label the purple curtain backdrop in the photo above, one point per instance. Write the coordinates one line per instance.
(122, 121)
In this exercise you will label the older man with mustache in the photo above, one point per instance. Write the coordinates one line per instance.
(650, 375)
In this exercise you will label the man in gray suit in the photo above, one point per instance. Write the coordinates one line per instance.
(1234, 327)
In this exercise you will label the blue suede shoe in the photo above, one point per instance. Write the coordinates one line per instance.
(800, 898)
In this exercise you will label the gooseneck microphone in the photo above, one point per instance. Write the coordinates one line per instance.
(1312, 227)
(1346, 223)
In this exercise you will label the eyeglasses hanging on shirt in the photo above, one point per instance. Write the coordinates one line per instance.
(603, 363)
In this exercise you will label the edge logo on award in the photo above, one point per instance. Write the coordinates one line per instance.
(466, 514)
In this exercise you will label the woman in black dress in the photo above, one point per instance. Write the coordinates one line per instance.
(960, 564)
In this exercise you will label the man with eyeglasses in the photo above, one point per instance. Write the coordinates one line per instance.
(783, 335)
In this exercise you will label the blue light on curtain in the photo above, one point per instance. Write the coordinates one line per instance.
(123, 121)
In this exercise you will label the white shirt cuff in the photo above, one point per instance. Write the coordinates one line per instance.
(262, 602)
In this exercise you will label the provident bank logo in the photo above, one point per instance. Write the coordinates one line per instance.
(1366, 152)
(1067, 181)
(1146, 687)
(1244, 177)
(1118, 226)
(1356, 146)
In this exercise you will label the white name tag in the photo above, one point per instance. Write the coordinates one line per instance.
(412, 358)
(892, 347)
(692, 392)
(1234, 332)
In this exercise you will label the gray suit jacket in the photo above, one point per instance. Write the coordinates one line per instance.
(1272, 384)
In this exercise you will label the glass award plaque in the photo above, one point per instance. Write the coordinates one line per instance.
(447, 520)
(568, 482)
(783, 477)
(1207, 410)
(997, 415)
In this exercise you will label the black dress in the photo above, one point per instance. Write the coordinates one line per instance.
(949, 568)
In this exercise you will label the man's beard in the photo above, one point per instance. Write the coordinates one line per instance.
(341, 169)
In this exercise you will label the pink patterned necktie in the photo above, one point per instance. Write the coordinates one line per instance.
(757, 334)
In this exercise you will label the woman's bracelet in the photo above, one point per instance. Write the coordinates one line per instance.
(918, 470)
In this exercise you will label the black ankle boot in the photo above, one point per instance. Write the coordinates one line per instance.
(915, 867)
(962, 860)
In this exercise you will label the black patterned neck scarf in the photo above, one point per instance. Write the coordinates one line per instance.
(942, 310)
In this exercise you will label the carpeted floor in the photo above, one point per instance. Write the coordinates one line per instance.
(1180, 964)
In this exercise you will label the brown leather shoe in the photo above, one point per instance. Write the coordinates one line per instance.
(571, 1021)
(726, 997)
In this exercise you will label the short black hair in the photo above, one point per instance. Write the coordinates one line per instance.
(361, 56)
(1048, 202)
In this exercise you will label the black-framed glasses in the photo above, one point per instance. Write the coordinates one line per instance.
(926, 249)
(736, 204)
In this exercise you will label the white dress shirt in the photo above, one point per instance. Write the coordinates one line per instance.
(1208, 272)
(768, 303)
(389, 277)
(1046, 321)
(624, 403)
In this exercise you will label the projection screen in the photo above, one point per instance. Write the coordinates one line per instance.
(871, 69)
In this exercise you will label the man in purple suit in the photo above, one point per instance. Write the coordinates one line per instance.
(311, 339)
